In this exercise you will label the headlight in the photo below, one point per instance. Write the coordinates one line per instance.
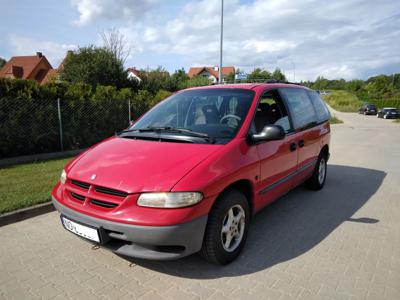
(169, 200)
(63, 177)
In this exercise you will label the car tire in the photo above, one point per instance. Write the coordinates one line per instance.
(227, 228)
(318, 177)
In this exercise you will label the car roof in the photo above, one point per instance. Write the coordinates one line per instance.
(389, 108)
(249, 86)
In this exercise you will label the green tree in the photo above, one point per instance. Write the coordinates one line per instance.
(259, 74)
(198, 81)
(354, 85)
(180, 75)
(379, 85)
(321, 83)
(178, 80)
(161, 95)
(155, 80)
(93, 65)
(2, 62)
(278, 75)
(230, 78)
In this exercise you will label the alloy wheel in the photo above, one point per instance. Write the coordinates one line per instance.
(233, 226)
(321, 171)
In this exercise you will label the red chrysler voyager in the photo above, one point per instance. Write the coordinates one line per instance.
(189, 174)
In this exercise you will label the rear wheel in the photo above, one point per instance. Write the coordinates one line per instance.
(317, 180)
(227, 228)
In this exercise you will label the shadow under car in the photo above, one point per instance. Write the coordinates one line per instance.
(289, 227)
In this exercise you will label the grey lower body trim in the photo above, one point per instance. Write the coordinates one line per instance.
(288, 177)
(148, 242)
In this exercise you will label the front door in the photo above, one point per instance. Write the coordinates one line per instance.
(278, 159)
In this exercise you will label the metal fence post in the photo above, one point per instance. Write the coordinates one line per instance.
(129, 109)
(60, 125)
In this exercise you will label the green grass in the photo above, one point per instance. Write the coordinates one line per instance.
(397, 121)
(28, 184)
(335, 120)
(343, 101)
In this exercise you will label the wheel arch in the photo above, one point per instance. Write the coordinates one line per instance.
(325, 150)
(246, 187)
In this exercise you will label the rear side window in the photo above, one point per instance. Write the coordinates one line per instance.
(300, 106)
(320, 107)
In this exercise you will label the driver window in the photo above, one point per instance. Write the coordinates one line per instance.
(271, 111)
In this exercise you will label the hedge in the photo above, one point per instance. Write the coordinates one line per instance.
(29, 115)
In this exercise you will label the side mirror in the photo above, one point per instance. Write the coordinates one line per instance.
(269, 133)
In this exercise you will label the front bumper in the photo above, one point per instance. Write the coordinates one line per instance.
(148, 242)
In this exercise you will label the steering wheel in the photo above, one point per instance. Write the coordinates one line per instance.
(230, 116)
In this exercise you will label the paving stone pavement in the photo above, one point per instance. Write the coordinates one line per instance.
(340, 243)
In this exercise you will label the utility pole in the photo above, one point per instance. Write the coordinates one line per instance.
(221, 42)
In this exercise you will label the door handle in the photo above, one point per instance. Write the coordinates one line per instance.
(293, 147)
(301, 143)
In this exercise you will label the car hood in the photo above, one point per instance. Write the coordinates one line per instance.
(137, 165)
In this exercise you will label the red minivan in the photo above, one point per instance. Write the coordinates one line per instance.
(189, 174)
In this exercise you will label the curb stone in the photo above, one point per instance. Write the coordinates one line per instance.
(26, 213)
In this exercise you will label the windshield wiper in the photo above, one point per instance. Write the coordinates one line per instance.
(125, 131)
(174, 130)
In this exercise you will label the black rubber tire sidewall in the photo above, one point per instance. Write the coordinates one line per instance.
(212, 249)
(313, 182)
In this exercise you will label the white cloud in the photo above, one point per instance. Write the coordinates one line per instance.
(332, 38)
(54, 52)
(91, 10)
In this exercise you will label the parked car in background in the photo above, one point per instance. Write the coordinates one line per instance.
(189, 175)
(388, 113)
(368, 109)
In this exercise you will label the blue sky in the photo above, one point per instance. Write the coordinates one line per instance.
(336, 39)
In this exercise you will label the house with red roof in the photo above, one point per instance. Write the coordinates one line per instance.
(35, 67)
(211, 73)
(134, 74)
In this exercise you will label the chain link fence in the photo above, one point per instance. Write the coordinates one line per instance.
(42, 125)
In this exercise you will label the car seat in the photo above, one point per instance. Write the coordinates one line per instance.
(211, 114)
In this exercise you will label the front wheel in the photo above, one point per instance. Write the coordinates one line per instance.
(227, 228)
(318, 178)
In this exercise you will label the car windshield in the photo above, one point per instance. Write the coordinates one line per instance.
(391, 110)
(217, 113)
(371, 106)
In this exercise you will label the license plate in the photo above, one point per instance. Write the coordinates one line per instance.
(81, 230)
